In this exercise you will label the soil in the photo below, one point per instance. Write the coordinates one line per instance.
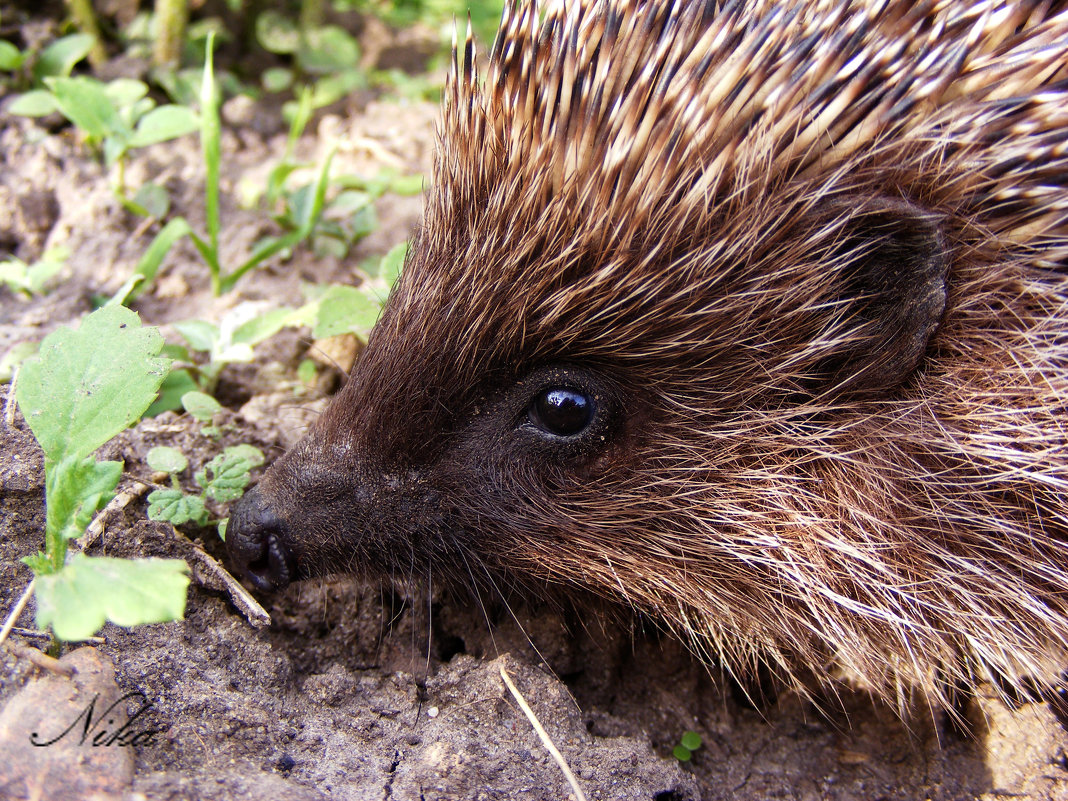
(355, 691)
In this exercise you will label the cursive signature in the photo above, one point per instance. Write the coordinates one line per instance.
(100, 731)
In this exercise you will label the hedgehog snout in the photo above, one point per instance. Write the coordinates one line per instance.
(256, 541)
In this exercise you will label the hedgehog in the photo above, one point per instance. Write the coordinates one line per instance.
(749, 317)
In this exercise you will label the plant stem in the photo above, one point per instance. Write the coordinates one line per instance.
(311, 14)
(172, 16)
(81, 11)
(210, 135)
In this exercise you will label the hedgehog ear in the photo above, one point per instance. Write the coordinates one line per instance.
(894, 263)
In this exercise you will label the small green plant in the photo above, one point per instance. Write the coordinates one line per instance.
(33, 279)
(29, 68)
(232, 340)
(326, 55)
(689, 743)
(351, 216)
(84, 387)
(208, 246)
(116, 117)
(337, 309)
(330, 310)
(343, 220)
(203, 408)
(223, 479)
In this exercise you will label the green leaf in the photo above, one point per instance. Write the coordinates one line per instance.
(276, 180)
(163, 123)
(327, 243)
(123, 293)
(175, 507)
(177, 384)
(150, 261)
(260, 328)
(89, 384)
(682, 754)
(42, 271)
(276, 79)
(201, 406)
(350, 201)
(124, 92)
(307, 372)
(182, 86)
(10, 56)
(298, 120)
(76, 601)
(114, 148)
(225, 477)
(14, 358)
(277, 33)
(271, 245)
(407, 185)
(176, 352)
(200, 334)
(250, 453)
(300, 205)
(691, 741)
(84, 102)
(135, 111)
(166, 459)
(363, 222)
(38, 563)
(37, 103)
(336, 86)
(13, 273)
(328, 49)
(309, 213)
(392, 263)
(343, 310)
(75, 488)
(154, 201)
(59, 58)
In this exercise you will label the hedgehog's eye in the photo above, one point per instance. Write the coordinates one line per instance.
(561, 411)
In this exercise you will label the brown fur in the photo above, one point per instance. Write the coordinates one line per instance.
(804, 466)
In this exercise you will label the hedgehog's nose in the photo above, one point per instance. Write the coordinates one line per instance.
(255, 540)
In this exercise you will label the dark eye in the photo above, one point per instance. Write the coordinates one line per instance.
(561, 411)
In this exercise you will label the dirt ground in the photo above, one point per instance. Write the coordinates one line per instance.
(354, 691)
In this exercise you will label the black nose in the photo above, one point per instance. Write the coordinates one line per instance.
(255, 540)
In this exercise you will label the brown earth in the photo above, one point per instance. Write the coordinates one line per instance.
(357, 692)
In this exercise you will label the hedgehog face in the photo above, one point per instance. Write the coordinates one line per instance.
(355, 496)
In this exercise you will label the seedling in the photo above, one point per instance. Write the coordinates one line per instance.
(343, 220)
(337, 309)
(330, 310)
(115, 117)
(36, 278)
(327, 54)
(232, 340)
(689, 743)
(203, 408)
(208, 246)
(56, 60)
(84, 387)
(223, 479)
